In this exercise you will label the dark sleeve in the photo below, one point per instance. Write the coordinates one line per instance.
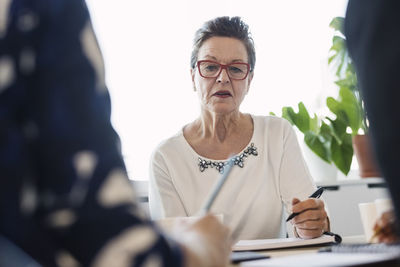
(373, 38)
(64, 190)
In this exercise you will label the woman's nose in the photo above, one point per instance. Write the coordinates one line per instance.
(223, 77)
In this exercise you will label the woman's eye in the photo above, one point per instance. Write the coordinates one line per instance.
(211, 67)
(235, 69)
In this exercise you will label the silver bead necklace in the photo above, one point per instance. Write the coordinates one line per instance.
(236, 160)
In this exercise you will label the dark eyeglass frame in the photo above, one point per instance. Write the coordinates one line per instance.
(223, 67)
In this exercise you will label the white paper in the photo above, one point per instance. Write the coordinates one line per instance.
(264, 244)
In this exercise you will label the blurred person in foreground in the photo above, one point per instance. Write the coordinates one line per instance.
(372, 31)
(65, 199)
(269, 174)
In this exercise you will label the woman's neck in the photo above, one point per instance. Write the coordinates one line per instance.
(218, 127)
(218, 137)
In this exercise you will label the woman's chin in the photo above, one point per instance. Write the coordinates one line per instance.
(222, 109)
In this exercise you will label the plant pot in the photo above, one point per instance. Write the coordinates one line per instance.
(368, 166)
(320, 170)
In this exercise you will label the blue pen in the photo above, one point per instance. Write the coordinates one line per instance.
(316, 194)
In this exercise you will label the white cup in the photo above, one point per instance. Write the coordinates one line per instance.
(369, 216)
(383, 205)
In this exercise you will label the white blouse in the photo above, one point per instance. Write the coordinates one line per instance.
(253, 198)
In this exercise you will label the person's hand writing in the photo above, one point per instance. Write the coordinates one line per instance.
(206, 242)
(312, 220)
(385, 228)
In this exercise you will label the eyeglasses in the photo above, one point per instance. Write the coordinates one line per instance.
(212, 69)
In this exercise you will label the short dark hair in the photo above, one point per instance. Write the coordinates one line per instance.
(225, 27)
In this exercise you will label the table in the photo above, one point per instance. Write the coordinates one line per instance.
(311, 253)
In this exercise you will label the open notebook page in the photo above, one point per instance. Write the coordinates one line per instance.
(265, 244)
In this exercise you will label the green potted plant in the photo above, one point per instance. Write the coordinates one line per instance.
(326, 137)
(346, 76)
(332, 139)
(351, 109)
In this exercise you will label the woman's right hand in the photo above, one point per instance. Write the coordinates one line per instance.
(205, 242)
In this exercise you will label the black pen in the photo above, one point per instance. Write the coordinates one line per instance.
(338, 238)
(316, 194)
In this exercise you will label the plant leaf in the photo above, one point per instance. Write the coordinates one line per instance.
(342, 155)
(350, 106)
(289, 114)
(301, 119)
(314, 143)
(340, 55)
(337, 23)
(314, 124)
(338, 129)
(325, 133)
(347, 109)
(333, 105)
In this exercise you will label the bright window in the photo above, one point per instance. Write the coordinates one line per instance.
(152, 100)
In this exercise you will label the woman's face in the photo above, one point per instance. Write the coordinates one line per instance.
(221, 94)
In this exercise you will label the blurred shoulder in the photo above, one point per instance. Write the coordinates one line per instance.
(271, 122)
(170, 145)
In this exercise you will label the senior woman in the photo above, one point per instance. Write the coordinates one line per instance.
(269, 174)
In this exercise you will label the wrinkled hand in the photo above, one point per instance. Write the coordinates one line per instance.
(205, 242)
(312, 220)
(385, 228)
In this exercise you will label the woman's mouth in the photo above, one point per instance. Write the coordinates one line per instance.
(222, 94)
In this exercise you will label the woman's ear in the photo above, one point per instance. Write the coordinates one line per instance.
(192, 72)
(251, 74)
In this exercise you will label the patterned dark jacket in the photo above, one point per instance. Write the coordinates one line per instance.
(64, 192)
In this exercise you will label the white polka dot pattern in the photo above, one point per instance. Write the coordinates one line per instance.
(65, 259)
(85, 162)
(92, 51)
(120, 251)
(152, 261)
(28, 199)
(4, 5)
(27, 21)
(27, 61)
(61, 218)
(137, 211)
(116, 189)
(7, 72)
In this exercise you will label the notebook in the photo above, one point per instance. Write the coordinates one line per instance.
(265, 244)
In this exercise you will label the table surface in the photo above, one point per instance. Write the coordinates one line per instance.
(304, 250)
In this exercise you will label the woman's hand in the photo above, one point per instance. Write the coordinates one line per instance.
(206, 242)
(385, 228)
(312, 220)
